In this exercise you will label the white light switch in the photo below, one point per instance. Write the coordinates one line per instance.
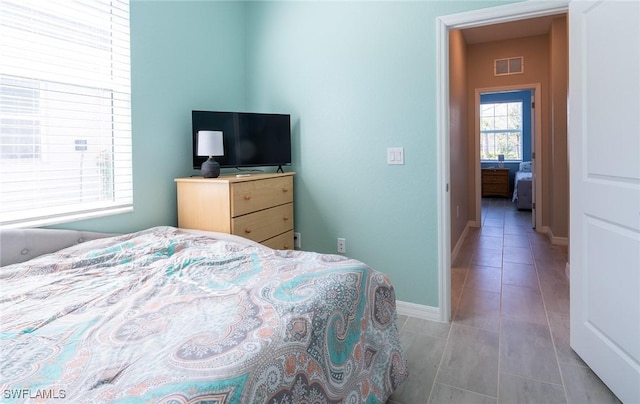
(395, 155)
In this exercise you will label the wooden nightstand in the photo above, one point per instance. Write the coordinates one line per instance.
(258, 207)
(495, 182)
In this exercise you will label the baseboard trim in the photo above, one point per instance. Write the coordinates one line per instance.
(543, 230)
(458, 246)
(557, 240)
(418, 310)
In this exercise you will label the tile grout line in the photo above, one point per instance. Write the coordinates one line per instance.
(499, 332)
(447, 340)
(546, 313)
(500, 313)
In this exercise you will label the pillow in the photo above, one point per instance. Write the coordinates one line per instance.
(525, 166)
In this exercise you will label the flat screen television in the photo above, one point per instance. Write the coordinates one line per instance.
(249, 139)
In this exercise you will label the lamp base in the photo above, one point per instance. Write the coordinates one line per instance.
(210, 168)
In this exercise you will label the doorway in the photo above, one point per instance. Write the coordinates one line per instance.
(506, 139)
(504, 14)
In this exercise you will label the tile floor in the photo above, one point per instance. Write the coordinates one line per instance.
(508, 341)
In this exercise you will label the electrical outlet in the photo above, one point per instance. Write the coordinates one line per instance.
(297, 240)
(342, 245)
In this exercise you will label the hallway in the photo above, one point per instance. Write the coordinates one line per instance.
(508, 341)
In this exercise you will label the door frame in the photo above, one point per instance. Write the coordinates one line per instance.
(469, 19)
(537, 147)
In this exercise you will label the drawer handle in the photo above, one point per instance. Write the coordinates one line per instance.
(247, 231)
(286, 246)
(247, 197)
(285, 218)
(285, 189)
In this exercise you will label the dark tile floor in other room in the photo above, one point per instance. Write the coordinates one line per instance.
(508, 341)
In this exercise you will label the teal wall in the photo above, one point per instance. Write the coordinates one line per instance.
(357, 77)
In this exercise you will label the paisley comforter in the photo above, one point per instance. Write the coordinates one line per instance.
(166, 316)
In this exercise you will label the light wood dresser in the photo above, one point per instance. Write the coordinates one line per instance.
(495, 182)
(258, 207)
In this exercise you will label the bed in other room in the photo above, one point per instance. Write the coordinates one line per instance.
(522, 192)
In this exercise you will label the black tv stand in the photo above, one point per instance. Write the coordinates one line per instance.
(280, 170)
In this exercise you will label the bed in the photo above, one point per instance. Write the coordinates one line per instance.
(522, 191)
(174, 316)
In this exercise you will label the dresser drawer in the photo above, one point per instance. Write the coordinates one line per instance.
(251, 196)
(495, 189)
(264, 224)
(494, 179)
(283, 241)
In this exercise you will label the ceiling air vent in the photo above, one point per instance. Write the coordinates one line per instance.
(502, 67)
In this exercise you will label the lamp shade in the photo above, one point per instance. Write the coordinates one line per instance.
(210, 143)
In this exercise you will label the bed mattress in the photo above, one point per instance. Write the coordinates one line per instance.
(520, 176)
(167, 316)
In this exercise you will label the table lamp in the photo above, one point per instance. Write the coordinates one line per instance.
(210, 144)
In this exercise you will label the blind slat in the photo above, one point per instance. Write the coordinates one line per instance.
(65, 110)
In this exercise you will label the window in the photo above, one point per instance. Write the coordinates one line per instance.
(501, 131)
(65, 111)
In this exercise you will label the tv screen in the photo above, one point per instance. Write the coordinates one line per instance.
(223, 121)
(249, 139)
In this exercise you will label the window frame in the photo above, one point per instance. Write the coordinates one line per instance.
(494, 132)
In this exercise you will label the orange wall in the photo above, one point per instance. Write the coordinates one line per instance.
(559, 69)
(480, 58)
(458, 129)
(471, 68)
(546, 63)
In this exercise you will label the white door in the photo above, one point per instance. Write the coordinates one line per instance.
(604, 155)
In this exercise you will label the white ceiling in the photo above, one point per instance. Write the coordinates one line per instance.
(508, 30)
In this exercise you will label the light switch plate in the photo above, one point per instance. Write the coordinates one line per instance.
(395, 155)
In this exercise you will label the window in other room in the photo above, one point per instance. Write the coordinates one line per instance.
(501, 131)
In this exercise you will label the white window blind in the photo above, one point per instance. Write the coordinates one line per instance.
(65, 110)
